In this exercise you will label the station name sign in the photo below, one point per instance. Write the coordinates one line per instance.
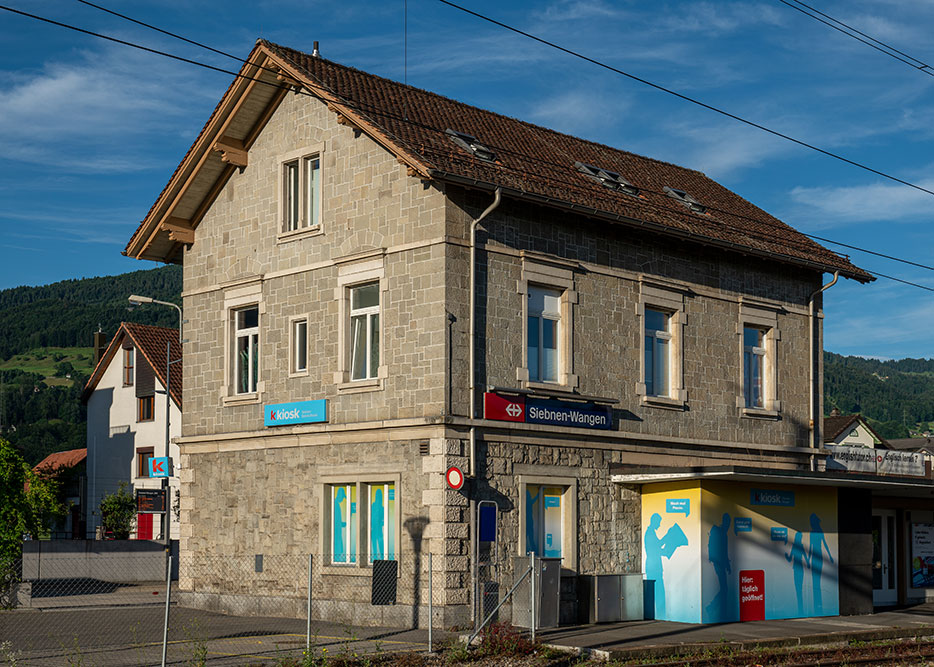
(549, 411)
(298, 412)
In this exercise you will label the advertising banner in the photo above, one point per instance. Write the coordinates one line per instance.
(875, 461)
(922, 555)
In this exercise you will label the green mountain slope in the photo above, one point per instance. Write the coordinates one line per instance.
(896, 396)
(44, 335)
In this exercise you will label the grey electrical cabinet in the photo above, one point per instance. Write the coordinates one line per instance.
(610, 598)
(547, 574)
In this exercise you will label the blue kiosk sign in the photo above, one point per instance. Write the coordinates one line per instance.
(299, 412)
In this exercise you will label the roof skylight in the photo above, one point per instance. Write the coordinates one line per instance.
(471, 144)
(608, 179)
(686, 199)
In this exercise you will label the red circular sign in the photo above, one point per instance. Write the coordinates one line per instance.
(454, 477)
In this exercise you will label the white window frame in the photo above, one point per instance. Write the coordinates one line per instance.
(367, 313)
(243, 294)
(251, 334)
(363, 483)
(549, 273)
(658, 335)
(355, 271)
(764, 317)
(309, 208)
(655, 295)
(569, 526)
(542, 317)
(295, 350)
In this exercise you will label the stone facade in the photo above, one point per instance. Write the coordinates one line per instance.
(248, 489)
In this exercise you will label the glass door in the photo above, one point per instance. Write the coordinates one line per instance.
(884, 560)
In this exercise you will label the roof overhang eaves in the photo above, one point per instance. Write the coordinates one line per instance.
(891, 485)
(140, 244)
(652, 226)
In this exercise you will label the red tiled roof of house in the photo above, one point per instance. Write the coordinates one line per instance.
(835, 425)
(538, 164)
(151, 342)
(60, 460)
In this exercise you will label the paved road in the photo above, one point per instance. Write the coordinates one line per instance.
(132, 635)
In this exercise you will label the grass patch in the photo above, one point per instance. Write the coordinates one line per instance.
(44, 360)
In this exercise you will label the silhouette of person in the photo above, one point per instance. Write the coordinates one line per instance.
(340, 502)
(718, 555)
(655, 548)
(531, 543)
(798, 558)
(377, 514)
(817, 546)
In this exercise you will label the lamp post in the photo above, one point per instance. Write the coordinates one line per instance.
(136, 300)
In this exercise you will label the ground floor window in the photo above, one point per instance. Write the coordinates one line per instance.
(544, 519)
(364, 532)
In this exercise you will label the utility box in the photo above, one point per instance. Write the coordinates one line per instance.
(610, 598)
(547, 573)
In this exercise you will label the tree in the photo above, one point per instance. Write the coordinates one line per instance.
(28, 504)
(118, 511)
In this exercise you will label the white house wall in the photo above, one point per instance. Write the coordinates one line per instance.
(114, 435)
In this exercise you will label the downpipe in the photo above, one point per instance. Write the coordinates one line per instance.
(814, 398)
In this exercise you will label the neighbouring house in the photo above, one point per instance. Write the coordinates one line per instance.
(126, 403)
(70, 470)
(623, 357)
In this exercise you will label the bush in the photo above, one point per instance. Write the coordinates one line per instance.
(118, 512)
(501, 639)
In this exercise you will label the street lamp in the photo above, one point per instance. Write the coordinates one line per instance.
(136, 300)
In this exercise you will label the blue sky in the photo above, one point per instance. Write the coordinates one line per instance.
(90, 131)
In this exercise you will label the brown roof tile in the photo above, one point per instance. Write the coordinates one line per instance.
(60, 460)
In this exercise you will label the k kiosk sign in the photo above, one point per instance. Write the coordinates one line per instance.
(546, 411)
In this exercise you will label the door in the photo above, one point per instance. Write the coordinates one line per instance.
(144, 526)
(884, 559)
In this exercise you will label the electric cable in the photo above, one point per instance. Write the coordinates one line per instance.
(882, 47)
(352, 104)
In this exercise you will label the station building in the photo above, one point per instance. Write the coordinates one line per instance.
(623, 356)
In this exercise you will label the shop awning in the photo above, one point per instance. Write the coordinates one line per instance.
(913, 487)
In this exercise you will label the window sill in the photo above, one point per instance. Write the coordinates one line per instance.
(360, 386)
(547, 386)
(298, 234)
(298, 374)
(352, 570)
(760, 413)
(241, 399)
(664, 402)
(145, 421)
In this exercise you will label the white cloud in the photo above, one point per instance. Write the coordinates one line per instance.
(578, 112)
(720, 17)
(834, 206)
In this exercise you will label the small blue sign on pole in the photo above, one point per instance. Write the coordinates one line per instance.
(486, 521)
(160, 467)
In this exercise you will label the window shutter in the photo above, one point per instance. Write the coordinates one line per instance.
(145, 381)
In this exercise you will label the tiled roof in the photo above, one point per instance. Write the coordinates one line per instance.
(151, 342)
(539, 162)
(835, 425)
(61, 460)
(531, 162)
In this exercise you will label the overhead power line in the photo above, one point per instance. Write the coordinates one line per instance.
(859, 36)
(692, 100)
(353, 104)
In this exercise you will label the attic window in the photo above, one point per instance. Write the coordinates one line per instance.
(686, 199)
(608, 179)
(471, 144)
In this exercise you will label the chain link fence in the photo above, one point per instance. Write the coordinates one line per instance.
(123, 609)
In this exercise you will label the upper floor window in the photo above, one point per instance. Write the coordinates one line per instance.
(143, 457)
(129, 359)
(657, 353)
(301, 193)
(145, 411)
(299, 345)
(753, 366)
(364, 331)
(246, 349)
(543, 332)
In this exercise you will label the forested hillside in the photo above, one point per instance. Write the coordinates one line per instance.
(897, 396)
(40, 414)
(66, 314)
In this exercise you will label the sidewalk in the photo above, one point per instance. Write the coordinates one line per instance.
(619, 640)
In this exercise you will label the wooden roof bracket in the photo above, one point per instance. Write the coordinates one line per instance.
(179, 230)
(232, 151)
(287, 79)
